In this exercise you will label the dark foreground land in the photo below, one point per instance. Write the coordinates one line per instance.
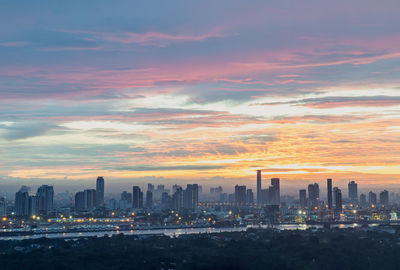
(254, 249)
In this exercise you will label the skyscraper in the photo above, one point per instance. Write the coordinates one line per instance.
(338, 199)
(22, 202)
(137, 197)
(100, 191)
(275, 192)
(353, 196)
(264, 196)
(80, 200)
(33, 205)
(303, 198)
(372, 198)
(178, 199)
(149, 199)
(89, 198)
(191, 197)
(126, 197)
(166, 201)
(363, 200)
(259, 201)
(45, 199)
(240, 195)
(329, 190)
(249, 196)
(313, 194)
(384, 198)
(3, 207)
(150, 187)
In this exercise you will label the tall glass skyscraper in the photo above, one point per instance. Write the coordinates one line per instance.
(100, 191)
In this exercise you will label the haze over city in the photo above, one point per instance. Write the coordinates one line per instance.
(208, 92)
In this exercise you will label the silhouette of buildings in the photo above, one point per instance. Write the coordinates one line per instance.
(329, 193)
(44, 199)
(313, 195)
(137, 197)
(303, 198)
(353, 193)
(384, 198)
(372, 198)
(240, 195)
(337, 193)
(100, 191)
(259, 200)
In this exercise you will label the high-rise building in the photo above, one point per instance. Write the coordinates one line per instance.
(363, 200)
(80, 200)
(123, 204)
(215, 193)
(191, 197)
(313, 194)
(240, 195)
(3, 207)
(22, 202)
(353, 193)
(338, 199)
(166, 201)
(259, 200)
(45, 199)
(250, 196)
(150, 187)
(33, 208)
(372, 198)
(175, 188)
(89, 198)
(137, 197)
(112, 204)
(125, 196)
(329, 195)
(178, 200)
(303, 198)
(157, 193)
(100, 191)
(275, 192)
(384, 198)
(265, 196)
(231, 198)
(149, 199)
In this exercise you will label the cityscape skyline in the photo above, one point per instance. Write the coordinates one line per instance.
(271, 195)
(290, 187)
(225, 134)
(302, 90)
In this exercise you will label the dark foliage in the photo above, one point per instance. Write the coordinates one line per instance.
(254, 249)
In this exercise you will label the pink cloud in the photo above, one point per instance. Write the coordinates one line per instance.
(14, 43)
(356, 103)
(151, 38)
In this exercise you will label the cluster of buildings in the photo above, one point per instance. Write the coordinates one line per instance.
(40, 203)
(178, 198)
(90, 198)
(334, 197)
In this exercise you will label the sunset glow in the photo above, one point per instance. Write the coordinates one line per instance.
(300, 89)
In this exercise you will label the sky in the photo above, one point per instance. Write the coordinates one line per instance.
(200, 91)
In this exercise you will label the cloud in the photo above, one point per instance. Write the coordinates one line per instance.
(14, 43)
(24, 130)
(169, 168)
(149, 38)
(362, 101)
(340, 101)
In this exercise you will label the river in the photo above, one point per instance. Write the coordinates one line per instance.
(169, 232)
